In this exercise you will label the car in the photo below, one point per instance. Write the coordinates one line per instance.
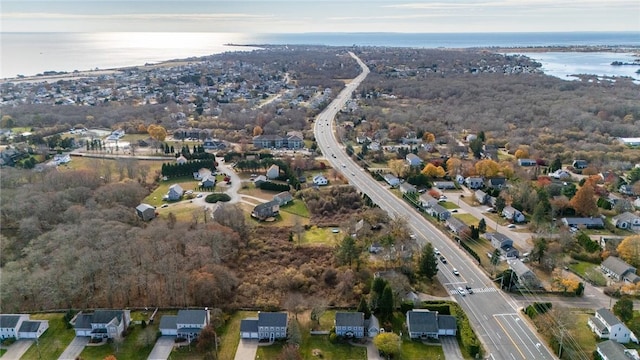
(352, 174)
(412, 236)
(436, 251)
(199, 196)
(469, 289)
(344, 166)
(455, 272)
(335, 230)
(511, 226)
(443, 259)
(461, 291)
(164, 205)
(454, 210)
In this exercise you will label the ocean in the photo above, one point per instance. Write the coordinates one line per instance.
(33, 53)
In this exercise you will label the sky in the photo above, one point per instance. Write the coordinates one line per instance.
(296, 16)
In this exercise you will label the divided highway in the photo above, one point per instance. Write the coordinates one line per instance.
(503, 331)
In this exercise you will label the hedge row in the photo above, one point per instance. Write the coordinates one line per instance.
(268, 185)
(537, 308)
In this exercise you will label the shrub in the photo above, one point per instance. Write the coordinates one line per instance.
(537, 308)
(268, 185)
(214, 198)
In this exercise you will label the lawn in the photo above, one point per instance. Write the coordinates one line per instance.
(137, 345)
(321, 236)
(588, 271)
(416, 350)
(321, 344)
(53, 342)
(80, 163)
(467, 219)
(155, 198)
(296, 207)
(230, 335)
(581, 334)
(448, 205)
(2, 351)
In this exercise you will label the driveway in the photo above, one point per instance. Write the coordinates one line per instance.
(372, 351)
(450, 348)
(17, 349)
(162, 348)
(247, 349)
(74, 349)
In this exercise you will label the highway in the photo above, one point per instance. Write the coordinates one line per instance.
(504, 332)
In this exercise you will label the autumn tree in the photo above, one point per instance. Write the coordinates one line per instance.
(487, 168)
(583, 202)
(398, 167)
(257, 130)
(433, 171)
(207, 339)
(429, 138)
(389, 343)
(629, 250)
(453, 166)
(157, 132)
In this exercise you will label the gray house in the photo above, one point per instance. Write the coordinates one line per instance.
(187, 324)
(481, 196)
(391, 180)
(444, 185)
(208, 182)
(266, 210)
(439, 212)
(146, 212)
(456, 225)
(627, 220)
(427, 201)
(612, 350)
(512, 213)
(502, 242)
(413, 160)
(350, 324)
(407, 188)
(283, 198)
(175, 192)
(18, 326)
(267, 326)
(526, 277)
(617, 268)
(474, 182)
(102, 324)
(587, 222)
(424, 324)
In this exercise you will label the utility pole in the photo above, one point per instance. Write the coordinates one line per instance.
(561, 336)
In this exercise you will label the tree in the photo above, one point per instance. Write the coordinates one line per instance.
(428, 265)
(363, 307)
(207, 339)
(476, 147)
(389, 343)
(386, 303)
(584, 202)
(623, 309)
(398, 167)
(453, 166)
(433, 171)
(257, 130)
(347, 251)
(487, 168)
(521, 154)
(495, 257)
(482, 226)
(157, 132)
(539, 249)
(500, 204)
(556, 164)
(508, 279)
(629, 250)
(295, 336)
(429, 138)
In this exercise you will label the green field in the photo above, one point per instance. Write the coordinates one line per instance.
(296, 207)
(588, 271)
(321, 236)
(53, 342)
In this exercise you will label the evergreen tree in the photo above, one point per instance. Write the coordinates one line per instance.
(385, 305)
(428, 265)
(482, 226)
(555, 165)
(363, 307)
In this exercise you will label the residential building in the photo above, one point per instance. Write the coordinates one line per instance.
(283, 198)
(413, 160)
(438, 211)
(259, 180)
(482, 197)
(187, 324)
(350, 324)
(278, 142)
(526, 277)
(180, 160)
(266, 210)
(587, 222)
(427, 201)
(560, 174)
(102, 324)
(444, 185)
(503, 243)
(626, 190)
(213, 144)
(474, 182)
(526, 162)
(320, 180)
(208, 182)
(175, 192)
(407, 188)
(19, 326)
(146, 212)
(456, 225)
(514, 214)
(607, 326)
(618, 269)
(375, 248)
(627, 220)
(497, 183)
(391, 180)
(613, 350)
(273, 172)
(424, 324)
(580, 164)
(267, 326)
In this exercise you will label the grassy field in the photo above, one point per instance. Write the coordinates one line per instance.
(467, 219)
(79, 163)
(588, 271)
(230, 335)
(53, 342)
(296, 207)
(416, 350)
(448, 205)
(155, 198)
(321, 236)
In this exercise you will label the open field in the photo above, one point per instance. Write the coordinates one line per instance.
(321, 236)
(83, 163)
(467, 219)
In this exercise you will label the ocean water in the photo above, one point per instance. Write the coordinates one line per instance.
(32, 53)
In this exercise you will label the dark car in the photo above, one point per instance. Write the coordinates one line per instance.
(443, 259)
(469, 289)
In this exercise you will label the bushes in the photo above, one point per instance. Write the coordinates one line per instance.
(470, 251)
(214, 198)
(268, 185)
(537, 308)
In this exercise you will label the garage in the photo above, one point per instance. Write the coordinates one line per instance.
(249, 328)
(168, 325)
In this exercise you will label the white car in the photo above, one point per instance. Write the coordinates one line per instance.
(461, 291)
(436, 251)
(455, 272)
(511, 226)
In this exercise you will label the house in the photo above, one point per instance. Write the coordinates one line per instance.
(456, 225)
(267, 326)
(474, 182)
(375, 248)
(259, 180)
(146, 212)
(427, 201)
(482, 197)
(413, 159)
(391, 180)
(560, 174)
(266, 210)
(102, 324)
(504, 243)
(580, 164)
(350, 324)
(213, 144)
(587, 222)
(186, 325)
(294, 142)
(617, 268)
(273, 172)
(407, 188)
(439, 212)
(372, 326)
(526, 162)
(283, 198)
(512, 213)
(444, 185)
(612, 350)
(208, 182)
(320, 180)
(424, 324)
(526, 277)
(607, 326)
(18, 326)
(626, 190)
(60, 159)
(268, 141)
(180, 160)
(175, 192)
(627, 220)
(497, 183)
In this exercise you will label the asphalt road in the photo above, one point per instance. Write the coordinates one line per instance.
(494, 316)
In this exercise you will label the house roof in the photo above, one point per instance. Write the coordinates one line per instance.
(168, 322)
(497, 181)
(390, 177)
(249, 325)
(609, 318)
(191, 317)
(597, 323)
(264, 206)
(519, 268)
(285, 195)
(617, 266)
(439, 209)
(632, 278)
(584, 221)
(272, 319)
(30, 326)
(411, 157)
(426, 198)
(273, 167)
(9, 321)
(105, 316)
(510, 209)
(407, 187)
(612, 349)
(422, 321)
(447, 322)
(143, 207)
(349, 319)
(498, 237)
(83, 321)
(456, 223)
(626, 216)
(176, 187)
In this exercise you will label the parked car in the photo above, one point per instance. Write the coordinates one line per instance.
(164, 205)
(436, 251)
(511, 226)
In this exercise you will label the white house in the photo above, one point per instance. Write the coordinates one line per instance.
(627, 220)
(320, 180)
(512, 213)
(18, 326)
(273, 172)
(268, 326)
(350, 324)
(617, 268)
(181, 160)
(407, 188)
(607, 326)
(560, 174)
(413, 159)
(474, 182)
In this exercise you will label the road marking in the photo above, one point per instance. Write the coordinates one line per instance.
(510, 338)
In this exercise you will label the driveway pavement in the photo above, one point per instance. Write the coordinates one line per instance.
(247, 349)
(74, 349)
(17, 349)
(372, 351)
(450, 348)
(162, 348)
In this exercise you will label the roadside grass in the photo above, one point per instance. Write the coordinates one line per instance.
(53, 342)
(449, 205)
(433, 287)
(417, 350)
(581, 334)
(320, 236)
(2, 351)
